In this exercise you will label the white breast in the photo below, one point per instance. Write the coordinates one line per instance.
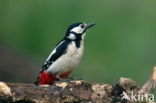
(68, 60)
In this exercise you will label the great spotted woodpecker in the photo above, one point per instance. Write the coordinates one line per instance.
(65, 56)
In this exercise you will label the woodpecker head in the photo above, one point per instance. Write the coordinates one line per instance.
(77, 30)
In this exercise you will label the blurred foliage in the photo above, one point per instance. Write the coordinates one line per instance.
(121, 44)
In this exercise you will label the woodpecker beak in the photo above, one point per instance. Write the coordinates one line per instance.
(90, 25)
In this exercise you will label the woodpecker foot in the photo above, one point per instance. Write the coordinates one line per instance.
(58, 78)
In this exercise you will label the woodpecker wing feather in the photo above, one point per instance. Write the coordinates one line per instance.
(56, 53)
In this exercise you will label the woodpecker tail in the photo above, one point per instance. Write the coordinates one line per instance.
(45, 78)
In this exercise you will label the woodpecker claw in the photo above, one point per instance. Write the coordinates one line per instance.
(58, 77)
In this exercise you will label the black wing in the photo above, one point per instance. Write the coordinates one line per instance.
(59, 51)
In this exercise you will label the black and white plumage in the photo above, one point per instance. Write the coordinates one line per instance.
(66, 55)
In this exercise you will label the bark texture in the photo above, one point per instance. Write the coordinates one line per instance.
(76, 91)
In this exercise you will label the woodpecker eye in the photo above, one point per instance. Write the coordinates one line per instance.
(82, 26)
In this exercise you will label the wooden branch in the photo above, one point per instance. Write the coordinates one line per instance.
(150, 84)
(76, 91)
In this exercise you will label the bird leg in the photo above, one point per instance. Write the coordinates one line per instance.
(63, 76)
(58, 77)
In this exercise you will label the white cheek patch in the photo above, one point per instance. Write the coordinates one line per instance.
(77, 30)
(71, 36)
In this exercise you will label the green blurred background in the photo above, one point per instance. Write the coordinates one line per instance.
(122, 44)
